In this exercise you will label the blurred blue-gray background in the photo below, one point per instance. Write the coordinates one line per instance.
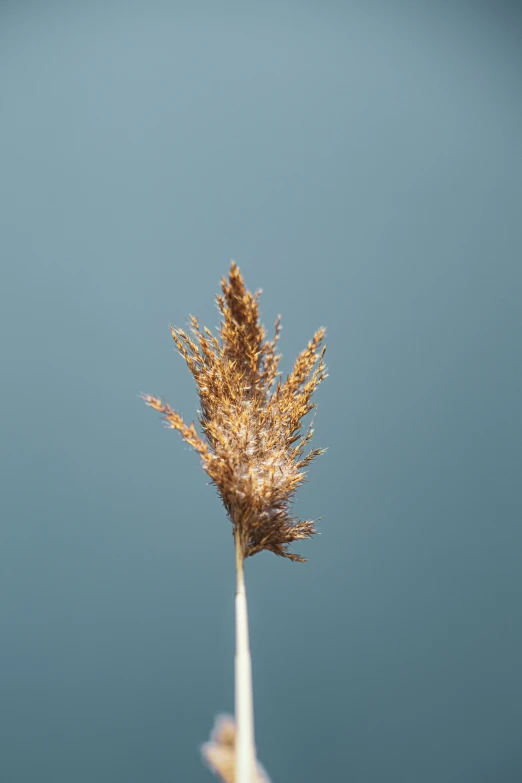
(362, 163)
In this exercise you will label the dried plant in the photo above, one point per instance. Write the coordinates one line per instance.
(220, 752)
(253, 448)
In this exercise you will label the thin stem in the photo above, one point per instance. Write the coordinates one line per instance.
(245, 748)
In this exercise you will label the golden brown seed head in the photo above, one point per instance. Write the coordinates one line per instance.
(254, 446)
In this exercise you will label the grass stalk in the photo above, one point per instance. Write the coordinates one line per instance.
(244, 706)
(255, 449)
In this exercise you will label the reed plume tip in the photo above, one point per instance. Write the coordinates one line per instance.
(253, 445)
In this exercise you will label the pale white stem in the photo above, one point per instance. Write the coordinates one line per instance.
(245, 747)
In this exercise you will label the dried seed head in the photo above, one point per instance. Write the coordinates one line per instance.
(219, 753)
(254, 446)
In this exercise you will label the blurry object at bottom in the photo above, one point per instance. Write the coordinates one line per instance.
(219, 752)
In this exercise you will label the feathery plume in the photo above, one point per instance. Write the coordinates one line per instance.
(253, 447)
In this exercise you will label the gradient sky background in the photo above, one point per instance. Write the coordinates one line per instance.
(362, 163)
